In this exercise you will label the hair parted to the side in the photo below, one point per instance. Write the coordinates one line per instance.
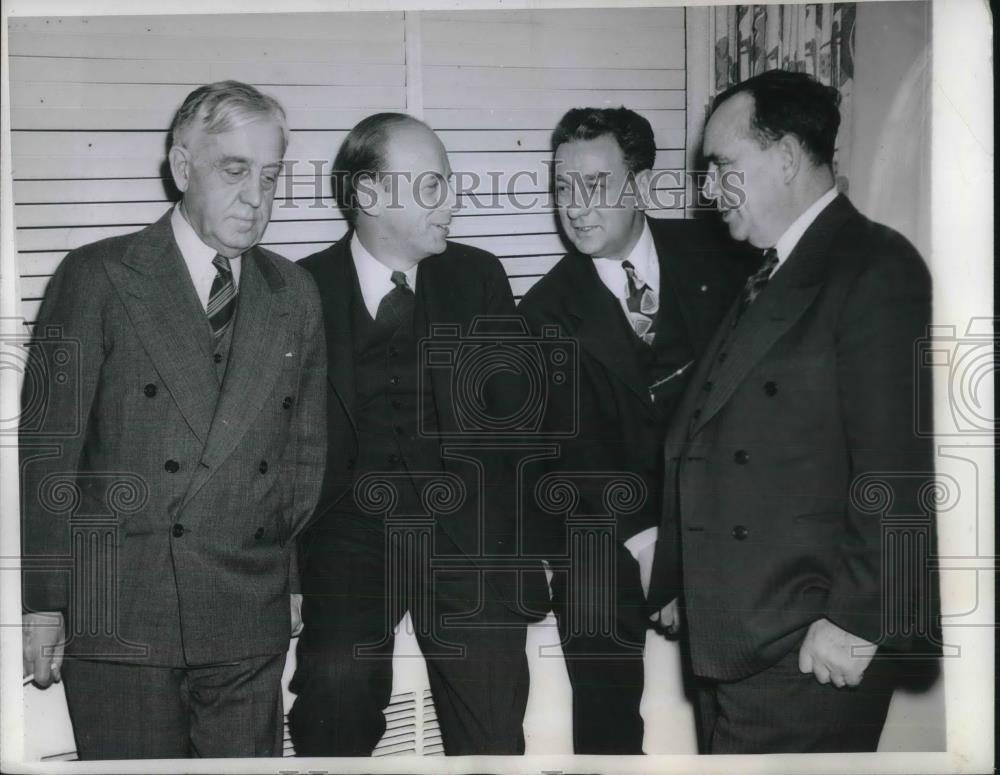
(631, 131)
(787, 103)
(223, 106)
(363, 155)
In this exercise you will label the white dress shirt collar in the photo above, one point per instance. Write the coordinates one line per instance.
(643, 257)
(787, 242)
(198, 256)
(374, 277)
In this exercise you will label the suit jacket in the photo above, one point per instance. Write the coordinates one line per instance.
(700, 274)
(806, 422)
(455, 287)
(206, 485)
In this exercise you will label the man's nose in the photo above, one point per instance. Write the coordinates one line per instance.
(578, 204)
(710, 184)
(252, 192)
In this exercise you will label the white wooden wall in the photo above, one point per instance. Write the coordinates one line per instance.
(92, 97)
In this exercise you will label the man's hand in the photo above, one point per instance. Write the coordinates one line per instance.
(827, 650)
(43, 638)
(296, 601)
(668, 618)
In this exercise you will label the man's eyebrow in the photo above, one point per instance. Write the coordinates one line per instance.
(591, 176)
(243, 160)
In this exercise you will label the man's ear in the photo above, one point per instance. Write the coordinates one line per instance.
(180, 166)
(791, 153)
(644, 189)
(370, 195)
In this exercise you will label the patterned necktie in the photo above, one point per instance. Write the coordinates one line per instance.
(397, 305)
(643, 304)
(757, 282)
(222, 297)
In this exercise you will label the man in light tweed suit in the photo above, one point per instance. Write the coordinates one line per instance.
(194, 456)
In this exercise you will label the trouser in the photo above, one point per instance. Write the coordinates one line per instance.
(129, 711)
(354, 597)
(602, 627)
(782, 710)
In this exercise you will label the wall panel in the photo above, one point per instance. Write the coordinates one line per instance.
(91, 98)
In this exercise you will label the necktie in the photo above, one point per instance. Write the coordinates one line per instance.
(397, 305)
(643, 304)
(757, 282)
(222, 297)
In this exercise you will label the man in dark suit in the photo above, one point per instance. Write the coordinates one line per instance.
(180, 452)
(641, 297)
(798, 420)
(404, 522)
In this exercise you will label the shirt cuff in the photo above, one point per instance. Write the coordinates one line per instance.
(641, 540)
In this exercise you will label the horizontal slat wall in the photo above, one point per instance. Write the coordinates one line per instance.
(91, 98)
(489, 76)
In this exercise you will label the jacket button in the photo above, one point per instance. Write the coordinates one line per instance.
(262, 467)
(723, 356)
(287, 402)
(217, 357)
(741, 456)
(172, 466)
(771, 388)
(740, 532)
(177, 530)
(149, 390)
(259, 534)
(393, 352)
(707, 387)
(393, 380)
(397, 405)
(696, 414)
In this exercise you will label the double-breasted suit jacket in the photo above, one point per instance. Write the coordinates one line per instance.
(618, 427)
(795, 422)
(209, 480)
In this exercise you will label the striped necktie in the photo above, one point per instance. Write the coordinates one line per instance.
(757, 282)
(222, 297)
(643, 303)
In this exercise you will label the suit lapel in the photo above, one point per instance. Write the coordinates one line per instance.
(430, 307)
(255, 357)
(778, 307)
(156, 290)
(336, 282)
(597, 321)
(676, 281)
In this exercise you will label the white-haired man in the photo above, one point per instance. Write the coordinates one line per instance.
(199, 399)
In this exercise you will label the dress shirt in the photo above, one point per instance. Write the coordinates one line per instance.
(198, 257)
(375, 277)
(645, 261)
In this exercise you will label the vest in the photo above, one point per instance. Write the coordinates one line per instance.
(395, 415)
